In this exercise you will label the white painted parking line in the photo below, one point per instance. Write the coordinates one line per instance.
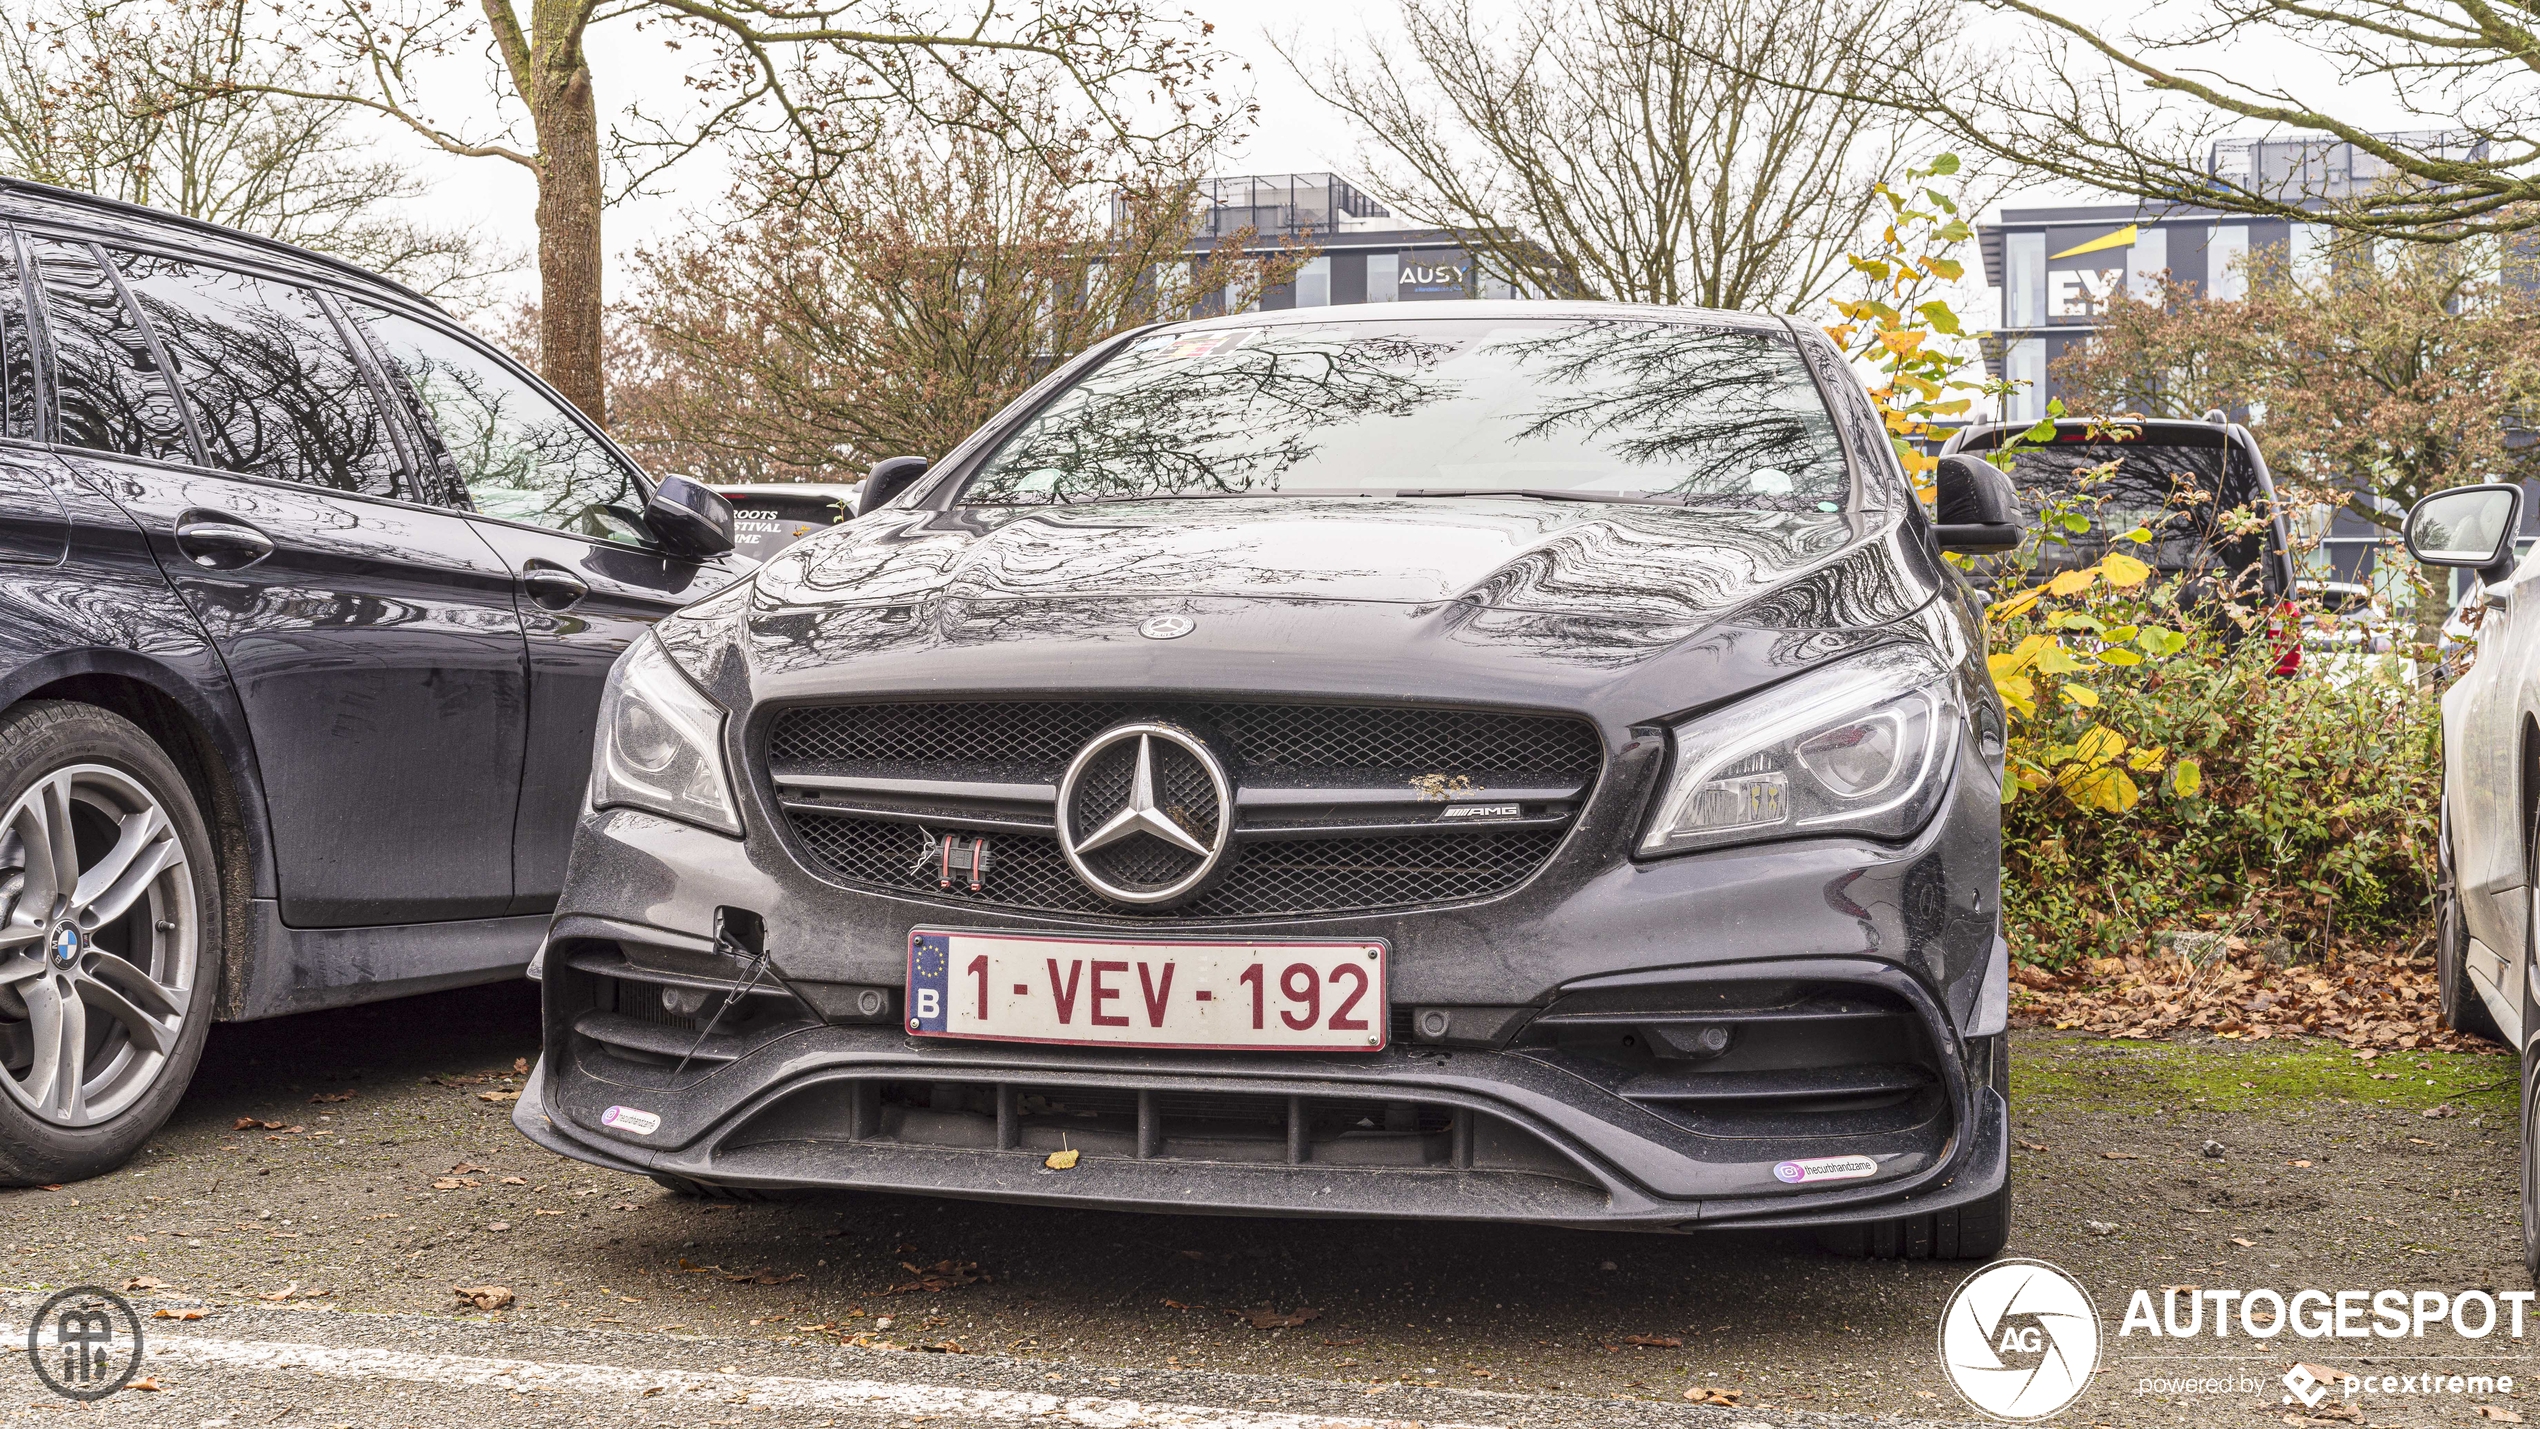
(686, 1387)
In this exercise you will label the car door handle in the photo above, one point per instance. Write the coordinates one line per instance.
(222, 545)
(552, 589)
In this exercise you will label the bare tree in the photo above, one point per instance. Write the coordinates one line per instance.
(892, 302)
(97, 96)
(820, 75)
(1594, 147)
(2138, 113)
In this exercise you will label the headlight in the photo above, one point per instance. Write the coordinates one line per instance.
(1857, 747)
(660, 743)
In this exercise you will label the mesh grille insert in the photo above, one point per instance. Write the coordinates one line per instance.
(1263, 878)
(1263, 737)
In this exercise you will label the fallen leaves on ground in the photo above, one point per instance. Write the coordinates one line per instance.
(2376, 1001)
(1654, 1342)
(1267, 1317)
(520, 1064)
(176, 1314)
(751, 1277)
(1705, 1394)
(942, 1275)
(1062, 1160)
(332, 1097)
(293, 1291)
(484, 1297)
(147, 1284)
(150, 1383)
(2501, 1416)
(498, 1096)
(243, 1123)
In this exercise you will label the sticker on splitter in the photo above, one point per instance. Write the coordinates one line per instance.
(627, 1118)
(1826, 1168)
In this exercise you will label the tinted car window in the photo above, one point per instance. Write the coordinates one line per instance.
(17, 353)
(512, 450)
(275, 391)
(1596, 407)
(2177, 491)
(108, 392)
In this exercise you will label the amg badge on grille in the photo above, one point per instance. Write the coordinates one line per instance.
(1144, 813)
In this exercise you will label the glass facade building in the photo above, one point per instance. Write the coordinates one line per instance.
(1363, 254)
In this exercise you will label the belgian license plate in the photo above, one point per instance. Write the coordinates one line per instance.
(1236, 996)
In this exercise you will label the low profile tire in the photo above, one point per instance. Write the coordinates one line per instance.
(1975, 1231)
(2464, 1011)
(109, 922)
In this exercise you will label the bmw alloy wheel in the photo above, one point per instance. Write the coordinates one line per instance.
(97, 944)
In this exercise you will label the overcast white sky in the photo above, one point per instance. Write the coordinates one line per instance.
(1296, 131)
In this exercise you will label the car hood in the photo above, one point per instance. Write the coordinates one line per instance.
(1657, 563)
(1461, 597)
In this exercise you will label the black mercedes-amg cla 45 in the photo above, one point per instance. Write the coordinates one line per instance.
(1508, 761)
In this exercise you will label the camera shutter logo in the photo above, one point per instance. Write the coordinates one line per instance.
(2019, 1340)
(96, 1343)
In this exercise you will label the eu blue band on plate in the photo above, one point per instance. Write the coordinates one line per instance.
(929, 970)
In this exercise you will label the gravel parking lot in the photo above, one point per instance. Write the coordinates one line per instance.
(332, 1178)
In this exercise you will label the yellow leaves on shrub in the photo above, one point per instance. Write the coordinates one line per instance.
(2186, 778)
(2072, 582)
(2081, 695)
(2106, 787)
(2020, 693)
(2118, 655)
(2054, 659)
(2097, 745)
(2148, 760)
(2123, 571)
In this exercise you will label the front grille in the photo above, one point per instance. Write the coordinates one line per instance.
(1431, 757)
(1263, 738)
(1264, 878)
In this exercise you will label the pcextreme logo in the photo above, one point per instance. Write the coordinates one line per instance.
(2019, 1340)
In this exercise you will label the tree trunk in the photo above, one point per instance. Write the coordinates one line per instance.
(570, 263)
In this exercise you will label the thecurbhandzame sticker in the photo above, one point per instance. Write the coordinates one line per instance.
(1826, 1168)
(644, 1123)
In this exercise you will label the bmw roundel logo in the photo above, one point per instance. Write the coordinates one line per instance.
(1167, 627)
(65, 945)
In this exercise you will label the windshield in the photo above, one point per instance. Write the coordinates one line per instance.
(1589, 408)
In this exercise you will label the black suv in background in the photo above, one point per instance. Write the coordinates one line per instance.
(307, 598)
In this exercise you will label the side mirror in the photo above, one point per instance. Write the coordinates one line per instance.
(2468, 526)
(1979, 512)
(688, 519)
(890, 476)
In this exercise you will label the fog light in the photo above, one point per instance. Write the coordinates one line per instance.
(1432, 1023)
(684, 1001)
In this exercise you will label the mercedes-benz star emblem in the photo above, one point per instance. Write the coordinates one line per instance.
(1167, 627)
(1144, 813)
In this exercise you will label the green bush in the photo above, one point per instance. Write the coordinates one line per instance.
(2163, 778)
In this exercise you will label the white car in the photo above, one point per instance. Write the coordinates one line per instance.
(2488, 859)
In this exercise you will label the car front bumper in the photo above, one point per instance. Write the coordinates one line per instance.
(1864, 987)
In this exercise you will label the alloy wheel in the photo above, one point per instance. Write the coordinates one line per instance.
(98, 931)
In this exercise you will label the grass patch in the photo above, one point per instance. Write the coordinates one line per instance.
(2090, 1073)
